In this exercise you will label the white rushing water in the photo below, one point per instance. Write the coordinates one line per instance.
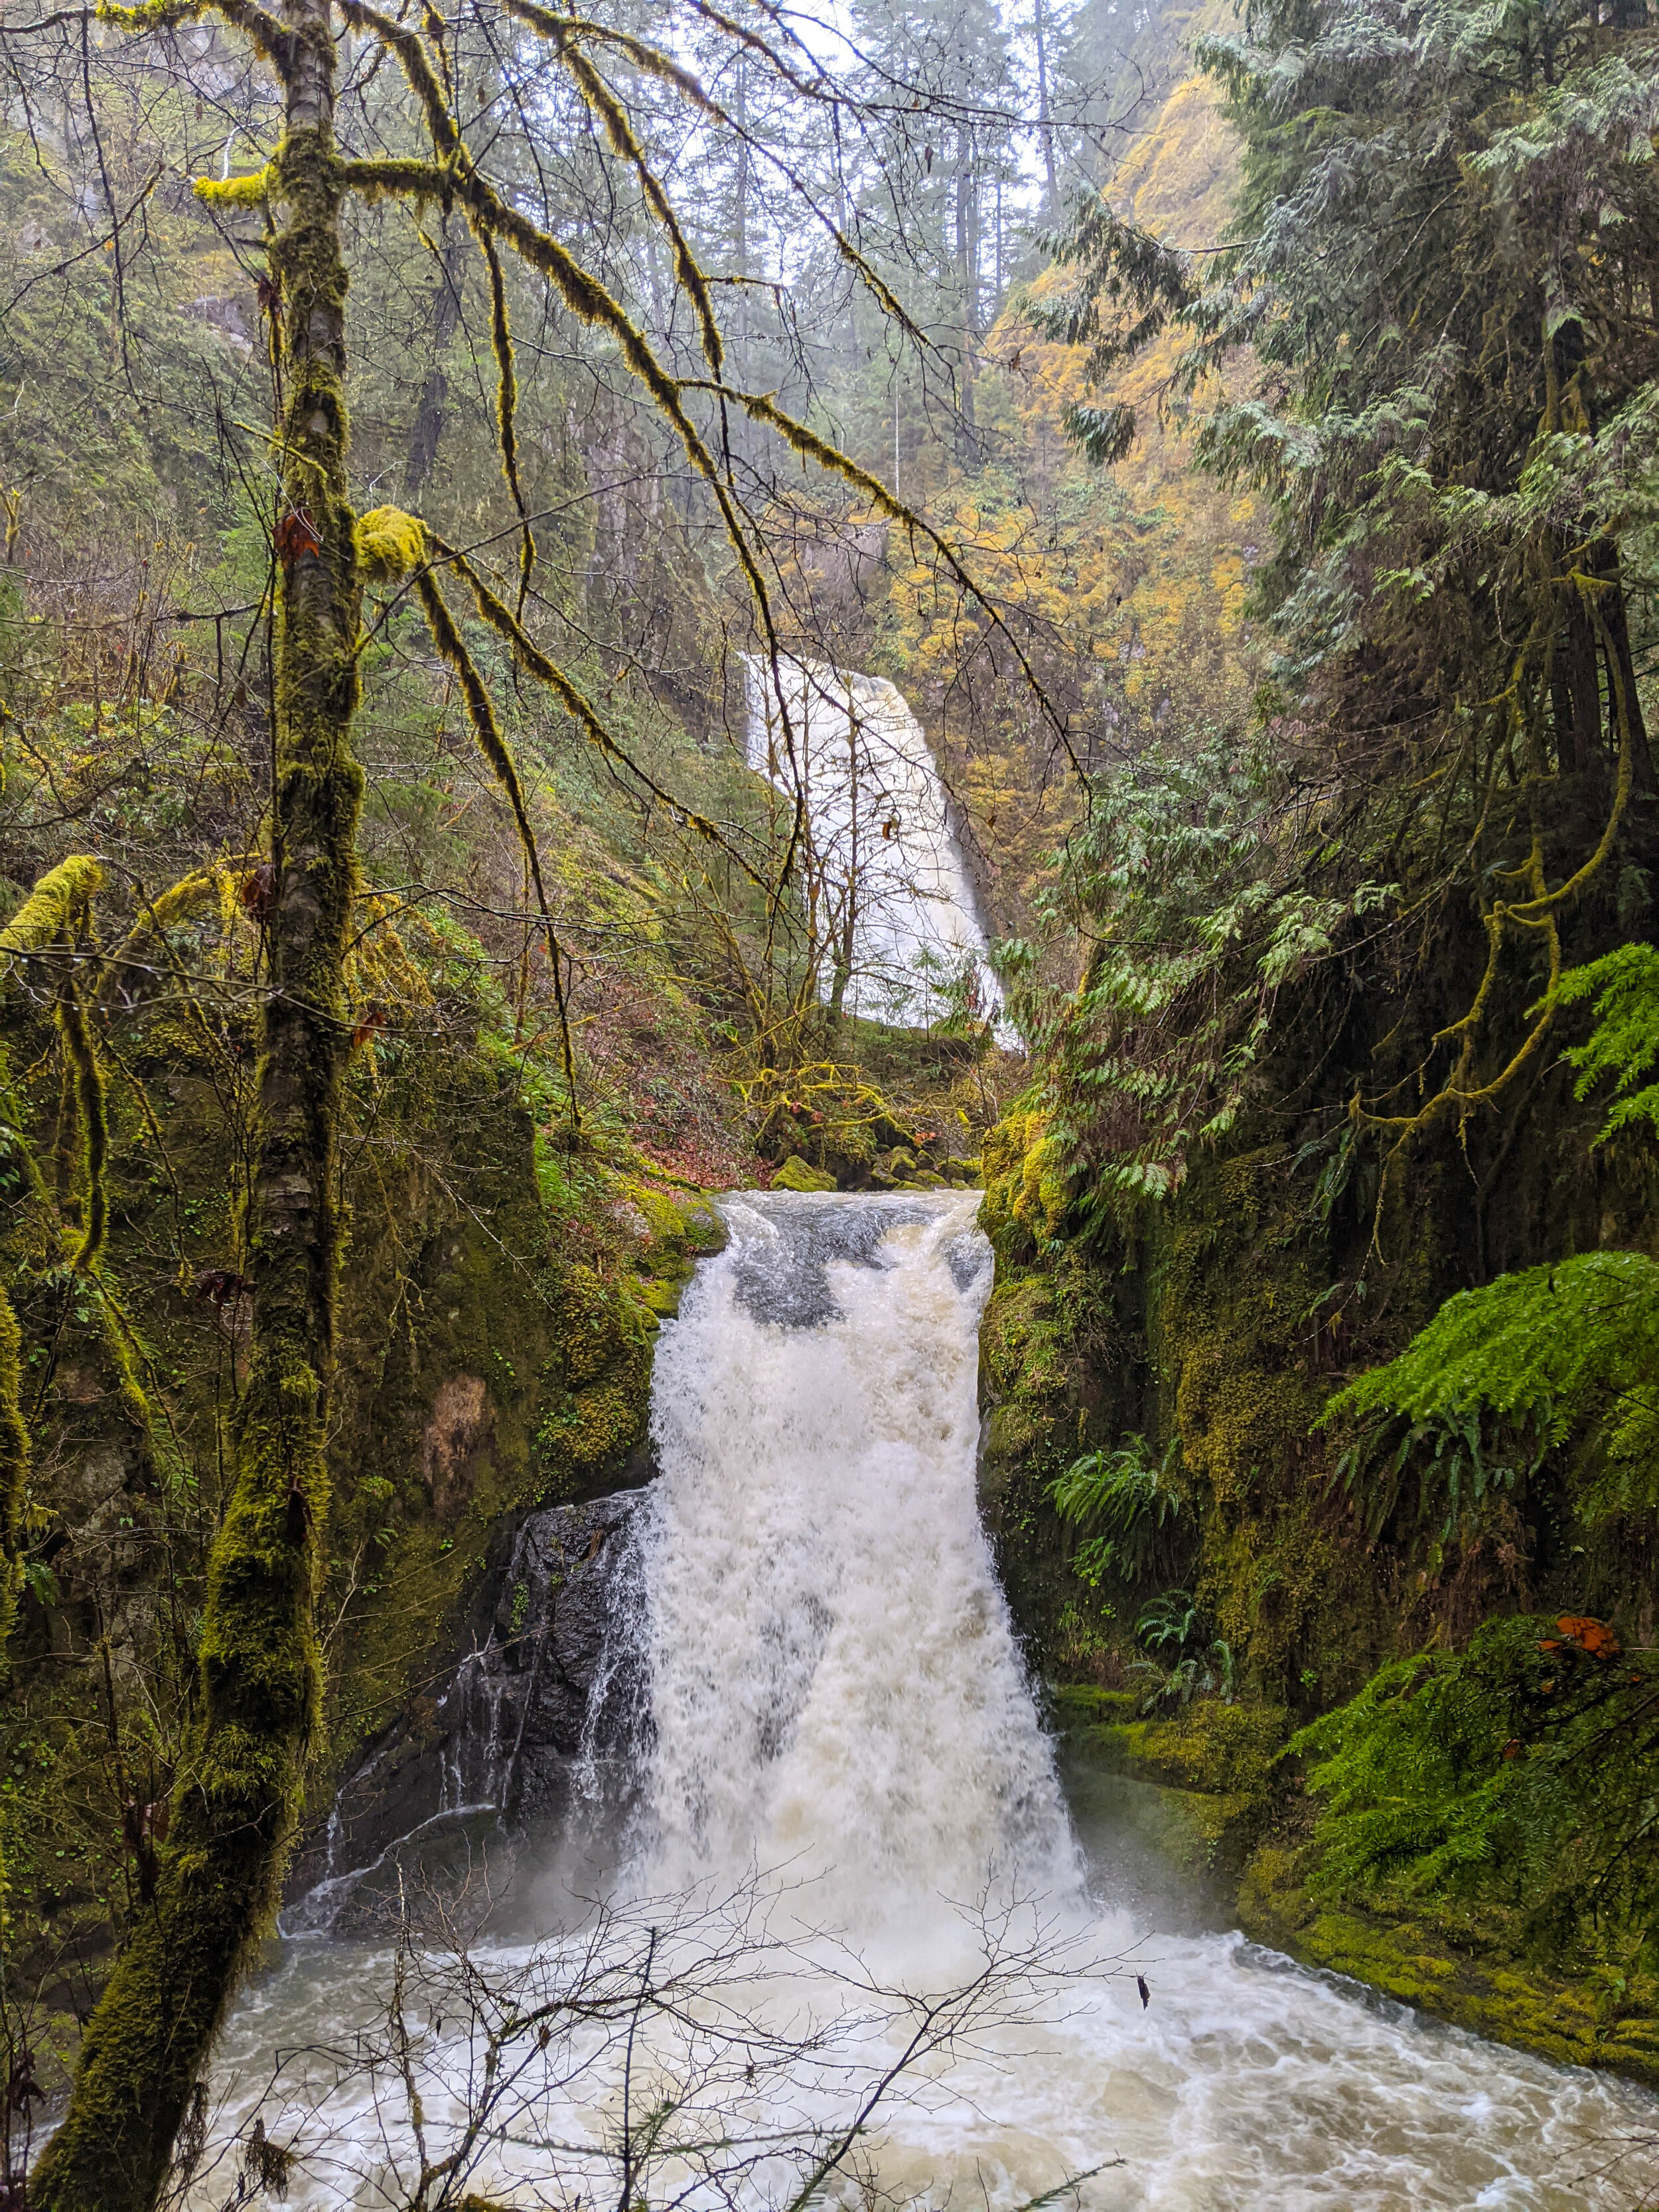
(846, 1786)
(882, 840)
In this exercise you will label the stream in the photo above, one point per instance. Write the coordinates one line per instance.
(838, 1845)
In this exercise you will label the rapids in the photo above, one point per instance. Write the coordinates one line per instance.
(844, 1788)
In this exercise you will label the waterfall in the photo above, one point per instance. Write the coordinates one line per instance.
(835, 1728)
(834, 1679)
(894, 892)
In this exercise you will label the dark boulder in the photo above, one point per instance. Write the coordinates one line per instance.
(547, 1698)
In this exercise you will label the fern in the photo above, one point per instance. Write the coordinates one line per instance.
(1502, 1376)
(1130, 1500)
(1187, 1659)
(1521, 1767)
(1624, 988)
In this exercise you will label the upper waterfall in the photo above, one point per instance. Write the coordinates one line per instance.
(897, 910)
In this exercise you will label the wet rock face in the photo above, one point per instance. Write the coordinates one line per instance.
(548, 1697)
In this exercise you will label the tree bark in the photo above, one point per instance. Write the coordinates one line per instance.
(430, 411)
(235, 1803)
(1045, 121)
(1615, 617)
(1584, 687)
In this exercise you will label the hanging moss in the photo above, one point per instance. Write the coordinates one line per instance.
(1028, 1190)
(506, 402)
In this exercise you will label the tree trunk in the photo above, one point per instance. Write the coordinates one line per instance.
(1584, 686)
(1618, 628)
(1045, 121)
(435, 393)
(235, 1804)
(967, 258)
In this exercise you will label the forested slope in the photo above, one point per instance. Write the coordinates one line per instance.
(1318, 1370)
(1236, 441)
(576, 946)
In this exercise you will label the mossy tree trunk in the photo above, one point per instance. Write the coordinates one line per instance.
(235, 1803)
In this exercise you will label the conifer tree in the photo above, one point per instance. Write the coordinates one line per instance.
(1443, 264)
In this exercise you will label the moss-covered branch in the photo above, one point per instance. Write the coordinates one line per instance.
(55, 910)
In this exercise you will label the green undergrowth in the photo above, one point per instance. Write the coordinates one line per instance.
(501, 1289)
(1217, 1761)
(1466, 1828)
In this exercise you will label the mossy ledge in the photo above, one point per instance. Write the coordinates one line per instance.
(1462, 1969)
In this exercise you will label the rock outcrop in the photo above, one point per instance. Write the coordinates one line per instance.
(548, 1697)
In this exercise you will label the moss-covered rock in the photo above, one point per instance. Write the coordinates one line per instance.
(1463, 1967)
(795, 1174)
(1028, 1187)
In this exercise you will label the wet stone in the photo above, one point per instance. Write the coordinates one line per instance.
(548, 1699)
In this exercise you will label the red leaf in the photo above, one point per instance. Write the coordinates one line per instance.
(258, 889)
(297, 533)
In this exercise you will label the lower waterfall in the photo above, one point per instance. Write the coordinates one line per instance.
(834, 1682)
(840, 1804)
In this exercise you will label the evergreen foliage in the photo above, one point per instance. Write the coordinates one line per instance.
(1623, 989)
(1505, 1374)
(1202, 883)
(1519, 1770)
(1130, 1504)
(1446, 225)
(1501, 1376)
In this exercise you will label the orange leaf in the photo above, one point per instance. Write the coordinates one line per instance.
(297, 533)
(1592, 1637)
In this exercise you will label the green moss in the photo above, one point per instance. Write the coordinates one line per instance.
(1461, 1967)
(597, 1386)
(54, 909)
(13, 1477)
(1239, 1268)
(249, 191)
(796, 1175)
(1028, 1190)
(389, 544)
